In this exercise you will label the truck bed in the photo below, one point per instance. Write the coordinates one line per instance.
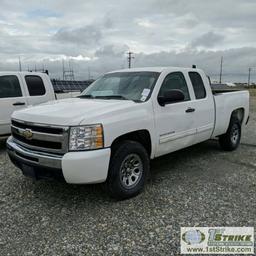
(225, 102)
(224, 89)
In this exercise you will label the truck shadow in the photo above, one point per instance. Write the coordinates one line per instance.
(2, 144)
(172, 161)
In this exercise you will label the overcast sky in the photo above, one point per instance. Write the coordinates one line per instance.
(97, 34)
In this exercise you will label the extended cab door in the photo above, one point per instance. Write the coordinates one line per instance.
(39, 88)
(204, 105)
(12, 97)
(175, 122)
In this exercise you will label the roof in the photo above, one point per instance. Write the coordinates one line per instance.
(155, 69)
(21, 72)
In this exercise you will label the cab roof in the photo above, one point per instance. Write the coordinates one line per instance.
(156, 69)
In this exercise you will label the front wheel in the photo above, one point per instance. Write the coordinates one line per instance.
(231, 139)
(129, 167)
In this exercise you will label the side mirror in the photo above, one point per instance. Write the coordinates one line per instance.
(171, 96)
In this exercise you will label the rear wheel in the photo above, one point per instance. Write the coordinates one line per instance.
(231, 139)
(129, 167)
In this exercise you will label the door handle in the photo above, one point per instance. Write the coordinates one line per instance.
(190, 110)
(18, 104)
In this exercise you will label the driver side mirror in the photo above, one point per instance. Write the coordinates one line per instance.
(171, 96)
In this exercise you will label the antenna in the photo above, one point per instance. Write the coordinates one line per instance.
(68, 74)
(130, 57)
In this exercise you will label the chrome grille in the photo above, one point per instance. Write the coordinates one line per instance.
(41, 137)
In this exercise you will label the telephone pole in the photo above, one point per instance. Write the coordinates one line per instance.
(221, 67)
(20, 64)
(249, 76)
(130, 57)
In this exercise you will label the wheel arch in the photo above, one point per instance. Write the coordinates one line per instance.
(141, 136)
(239, 114)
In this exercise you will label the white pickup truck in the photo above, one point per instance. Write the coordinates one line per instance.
(19, 90)
(125, 118)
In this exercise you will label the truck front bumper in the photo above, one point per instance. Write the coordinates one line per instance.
(75, 167)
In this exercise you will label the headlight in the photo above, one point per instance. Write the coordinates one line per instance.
(86, 137)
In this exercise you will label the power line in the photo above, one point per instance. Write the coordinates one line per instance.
(130, 57)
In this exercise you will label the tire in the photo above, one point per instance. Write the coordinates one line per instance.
(231, 139)
(128, 170)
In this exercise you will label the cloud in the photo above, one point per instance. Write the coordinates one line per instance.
(98, 34)
(41, 13)
(112, 51)
(113, 57)
(87, 35)
(209, 39)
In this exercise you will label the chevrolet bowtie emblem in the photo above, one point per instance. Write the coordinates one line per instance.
(28, 134)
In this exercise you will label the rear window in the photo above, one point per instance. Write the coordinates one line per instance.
(10, 87)
(35, 85)
(198, 85)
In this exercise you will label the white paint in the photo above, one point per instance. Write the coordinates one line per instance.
(170, 127)
(86, 167)
(6, 104)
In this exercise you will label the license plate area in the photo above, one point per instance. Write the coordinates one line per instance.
(28, 171)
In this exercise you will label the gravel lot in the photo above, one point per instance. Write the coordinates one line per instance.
(198, 186)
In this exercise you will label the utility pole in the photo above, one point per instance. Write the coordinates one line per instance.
(221, 67)
(249, 76)
(20, 64)
(63, 70)
(130, 57)
(89, 73)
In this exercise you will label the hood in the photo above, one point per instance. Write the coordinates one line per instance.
(71, 111)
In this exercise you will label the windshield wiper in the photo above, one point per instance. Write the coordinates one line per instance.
(89, 96)
(112, 97)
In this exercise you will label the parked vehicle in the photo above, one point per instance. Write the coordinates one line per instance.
(124, 119)
(18, 90)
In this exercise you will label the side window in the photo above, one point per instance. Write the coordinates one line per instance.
(35, 85)
(175, 80)
(198, 85)
(10, 87)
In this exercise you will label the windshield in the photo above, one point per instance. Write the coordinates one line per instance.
(136, 86)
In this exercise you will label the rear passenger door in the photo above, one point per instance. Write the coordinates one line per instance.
(204, 106)
(12, 97)
(36, 89)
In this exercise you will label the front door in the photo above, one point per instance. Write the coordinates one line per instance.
(12, 98)
(175, 122)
